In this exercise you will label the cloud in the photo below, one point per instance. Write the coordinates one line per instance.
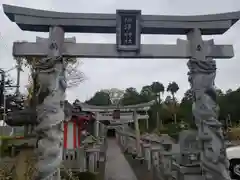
(122, 73)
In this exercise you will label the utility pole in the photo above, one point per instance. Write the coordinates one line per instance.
(2, 94)
(19, 68)
(2, 87)
(2, 99)
(17, 86)
(157, 108)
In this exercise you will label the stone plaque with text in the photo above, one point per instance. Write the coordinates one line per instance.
(128, 30)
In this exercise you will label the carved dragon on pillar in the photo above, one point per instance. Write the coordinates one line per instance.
(205, 110)
(52, 86)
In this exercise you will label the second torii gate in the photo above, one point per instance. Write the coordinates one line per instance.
(128, 26)
(104, 113)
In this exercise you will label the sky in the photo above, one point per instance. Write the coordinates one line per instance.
(124, 73)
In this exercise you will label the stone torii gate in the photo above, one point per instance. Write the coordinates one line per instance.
(104, 113)
(128, 26)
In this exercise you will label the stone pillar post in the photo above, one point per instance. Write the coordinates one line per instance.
(137, 133)
(84, 161)
(202, 72)
(96, 129)
(123, 140)
(126, 143)
(100, 134)
(117, 135)
(147, 122)
(81, 158)
(155, 162)
(91, 162)
(92, 159)
(147, 154)
(52, 84)
(102, 130)
(96, 126)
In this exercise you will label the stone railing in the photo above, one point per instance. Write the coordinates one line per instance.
(90, 157)
(85, 158)
(161, 156)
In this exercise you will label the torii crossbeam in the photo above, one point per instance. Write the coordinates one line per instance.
(39, 20)
(87, 50)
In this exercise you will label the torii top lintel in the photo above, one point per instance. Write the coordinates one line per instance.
(110, 108)
(40, 21)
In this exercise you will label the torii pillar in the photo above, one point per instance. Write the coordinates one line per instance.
(137, 133)
(52, 81)
(202, 73)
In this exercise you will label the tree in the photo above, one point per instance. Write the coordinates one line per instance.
(168, 100)
(229, 106)
(147, 94)
(185, 109)
(100, 98)
(173, 88)
(131, 96)
(229, 91)
(73, 75)
(219, 92)
(114, 94)
(188, 95)
(228, 102)
(6, 84)
(10, 101)
(157, 89)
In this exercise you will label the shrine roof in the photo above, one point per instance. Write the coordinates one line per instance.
(140, 106)
(93, 108)
(40, 21)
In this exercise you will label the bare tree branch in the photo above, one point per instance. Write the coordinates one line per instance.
(73, 74)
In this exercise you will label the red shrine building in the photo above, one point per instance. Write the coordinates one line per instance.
(80, 122)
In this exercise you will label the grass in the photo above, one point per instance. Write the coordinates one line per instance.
(4, 149)
(234, 134)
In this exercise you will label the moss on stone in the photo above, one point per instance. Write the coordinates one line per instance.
(4, 145)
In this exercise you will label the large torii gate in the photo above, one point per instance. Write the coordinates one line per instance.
(128, 26)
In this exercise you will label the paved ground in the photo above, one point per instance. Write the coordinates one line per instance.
(117, 167)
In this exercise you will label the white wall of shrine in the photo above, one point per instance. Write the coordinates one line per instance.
(71, 135)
